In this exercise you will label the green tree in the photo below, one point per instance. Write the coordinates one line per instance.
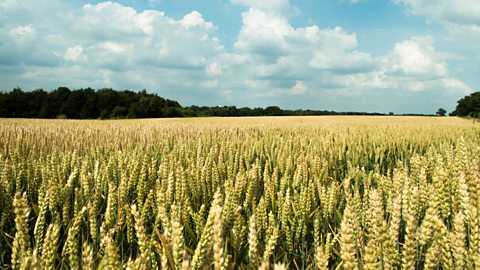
(273, 111)
(119, 112)
(468, 106)
(441, 112)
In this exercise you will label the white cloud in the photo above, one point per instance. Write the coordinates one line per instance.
(116, 18)
(262, 34)
(265, 5)
(22, 34)
(299, 88)
(334, 44)
(456, 85)
(415, 58)
(214, 69)
(415, 65)
(112, 46)
(7, 3)
(465, 12)
(273, 44)
(194, 18)
(272, 62)
(73, 53)
(147, 38)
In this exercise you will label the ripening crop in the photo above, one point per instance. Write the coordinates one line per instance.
(240, 193)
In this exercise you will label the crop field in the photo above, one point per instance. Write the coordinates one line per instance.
(240, 193)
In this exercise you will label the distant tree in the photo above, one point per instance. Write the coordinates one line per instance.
(104, 114)
(109, 103)
(3, 105)
(34, 101)
(173, 103)
(52, 104)
(107, 100)
(15, 103)
(145, 107)
(441, 112)
(89, 107)
(172, 112)
(118, 112)
(273, 111)
(72, 106)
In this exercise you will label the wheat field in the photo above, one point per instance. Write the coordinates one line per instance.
(240, 193)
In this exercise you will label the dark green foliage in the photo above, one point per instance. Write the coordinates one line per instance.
(441, 112)
(85, 104)
(468, 106)
(229, 111)
(109, 103)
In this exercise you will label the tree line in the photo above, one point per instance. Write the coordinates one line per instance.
(85, 104)
(107, 103)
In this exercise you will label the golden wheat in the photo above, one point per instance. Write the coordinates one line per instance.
(240, 193)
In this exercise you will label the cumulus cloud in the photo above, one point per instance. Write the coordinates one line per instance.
(335, 44)
(455, 85)
(415, 65)
(113, 45)
(148, 38)
(279, 6)
(272, 62)
(214, 69)
(22, 34)
(466, 12)
(262, 35)
(281, 54)
(195, 19)
(415, 58)
(461, 19)
(73, 53)
(299, 88)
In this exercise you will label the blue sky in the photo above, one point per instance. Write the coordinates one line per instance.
(345, 55)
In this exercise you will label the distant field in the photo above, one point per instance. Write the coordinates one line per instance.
(240, 193)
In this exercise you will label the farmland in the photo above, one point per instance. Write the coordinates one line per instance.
(240, 193)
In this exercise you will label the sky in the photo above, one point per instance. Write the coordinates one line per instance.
(401, 56)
